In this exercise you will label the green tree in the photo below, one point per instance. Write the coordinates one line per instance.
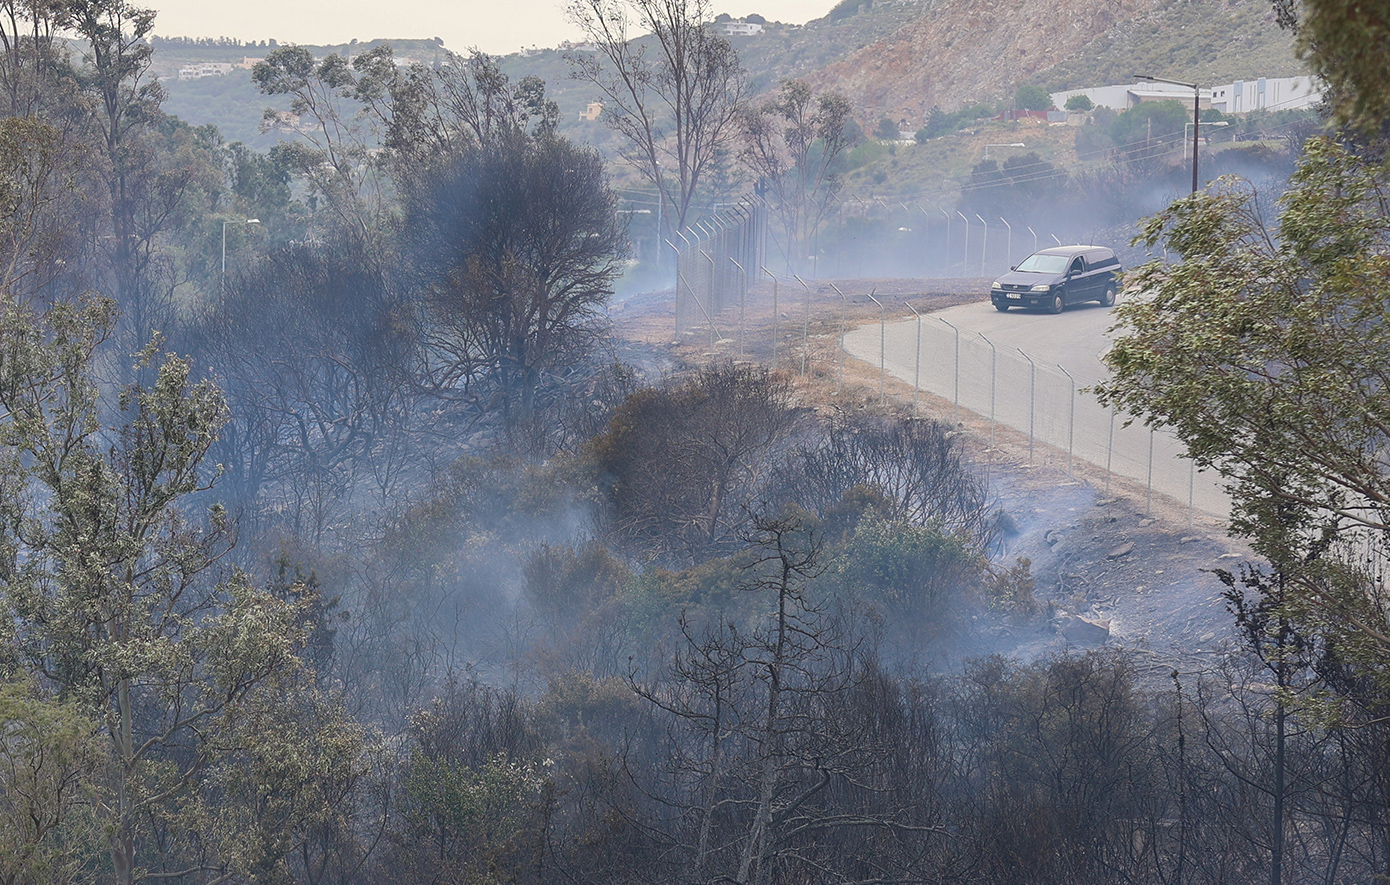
(1079, 103)
(1266, 354)
(50, 758)
(1344, 42)
(1032, 98)
(109, 587)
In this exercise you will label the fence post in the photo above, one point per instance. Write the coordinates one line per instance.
(1149, 497)
(965, 256)
(742, 297)
(917, 365)
(1071, 418)
(984, 245)
(1109, 450)
(1009, 243)
(709, 296)
(844, 307)
(1032, 398)
(993, 375)
(946, 253)
(805, 324)
(1191, 484)
(882, 348)
(957, 374)
(776, 319)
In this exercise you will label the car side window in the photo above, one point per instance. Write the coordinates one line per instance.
(1077, 266)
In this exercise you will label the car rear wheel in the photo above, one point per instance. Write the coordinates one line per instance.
(1057, 305)
(1001, 307)
(1108, 299)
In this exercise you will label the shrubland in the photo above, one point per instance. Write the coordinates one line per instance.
(363, 558)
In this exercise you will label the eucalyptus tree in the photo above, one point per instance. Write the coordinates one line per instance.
(672, 90)
(791, 142)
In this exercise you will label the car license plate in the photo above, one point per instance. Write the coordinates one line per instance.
(1014, 295)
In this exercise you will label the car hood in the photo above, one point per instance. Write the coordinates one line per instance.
(1017, 278)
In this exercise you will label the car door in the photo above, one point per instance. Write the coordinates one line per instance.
(1075, 287)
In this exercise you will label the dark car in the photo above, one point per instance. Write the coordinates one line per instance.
(1054, 278)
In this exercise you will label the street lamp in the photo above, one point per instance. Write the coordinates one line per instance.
(1210, 123)
(223, 279)
(1196, 114)
(1011, 144)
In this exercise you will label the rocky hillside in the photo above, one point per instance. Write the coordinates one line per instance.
(958, 52)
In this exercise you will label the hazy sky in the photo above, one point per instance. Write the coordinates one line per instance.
(495, 26)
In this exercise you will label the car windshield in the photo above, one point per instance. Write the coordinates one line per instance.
(1040, 263)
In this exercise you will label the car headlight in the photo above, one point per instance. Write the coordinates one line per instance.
(1041, 287)
(996, 286)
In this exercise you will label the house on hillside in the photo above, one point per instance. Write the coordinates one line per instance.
(740, 28)
(206, 69)
(592, 112)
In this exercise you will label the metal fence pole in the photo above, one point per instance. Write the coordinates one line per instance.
(993, 375)
(984, 245)
(1032, 399)
(844, 308)
(965, 256)
(805, 325)
(1009, 243)
(946, 253)
(1109, 450)
(1191, 487)
(957, 373)
(917, 365)
(1071, 418)
(709, 295)
(742, 298)
(1149, 497)
(776, 320)
(882, 348)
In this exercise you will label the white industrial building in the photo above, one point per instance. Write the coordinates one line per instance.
(1242, 96)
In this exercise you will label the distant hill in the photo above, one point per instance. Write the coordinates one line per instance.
(894, 57)
(959, 52)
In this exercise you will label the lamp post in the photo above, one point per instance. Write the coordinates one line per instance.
(223, 278)
(1011, 144)
(1196, 114)
(1210, 123)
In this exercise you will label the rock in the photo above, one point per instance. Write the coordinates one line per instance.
(1083, 631)
(1123, 550)
(1146, 522)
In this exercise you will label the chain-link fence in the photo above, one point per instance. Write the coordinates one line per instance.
(1038, 398)
(717, 260)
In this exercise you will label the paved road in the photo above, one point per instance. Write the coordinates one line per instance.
(1037, 395)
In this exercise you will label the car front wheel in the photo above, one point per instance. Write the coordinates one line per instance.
(1108, 299)
(1057, 305)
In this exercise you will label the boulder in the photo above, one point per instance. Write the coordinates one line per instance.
(1083, 631)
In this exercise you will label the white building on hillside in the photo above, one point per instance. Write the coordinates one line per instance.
(206, 69)
(1242, 96)
(740, 29)
(1266, 93)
